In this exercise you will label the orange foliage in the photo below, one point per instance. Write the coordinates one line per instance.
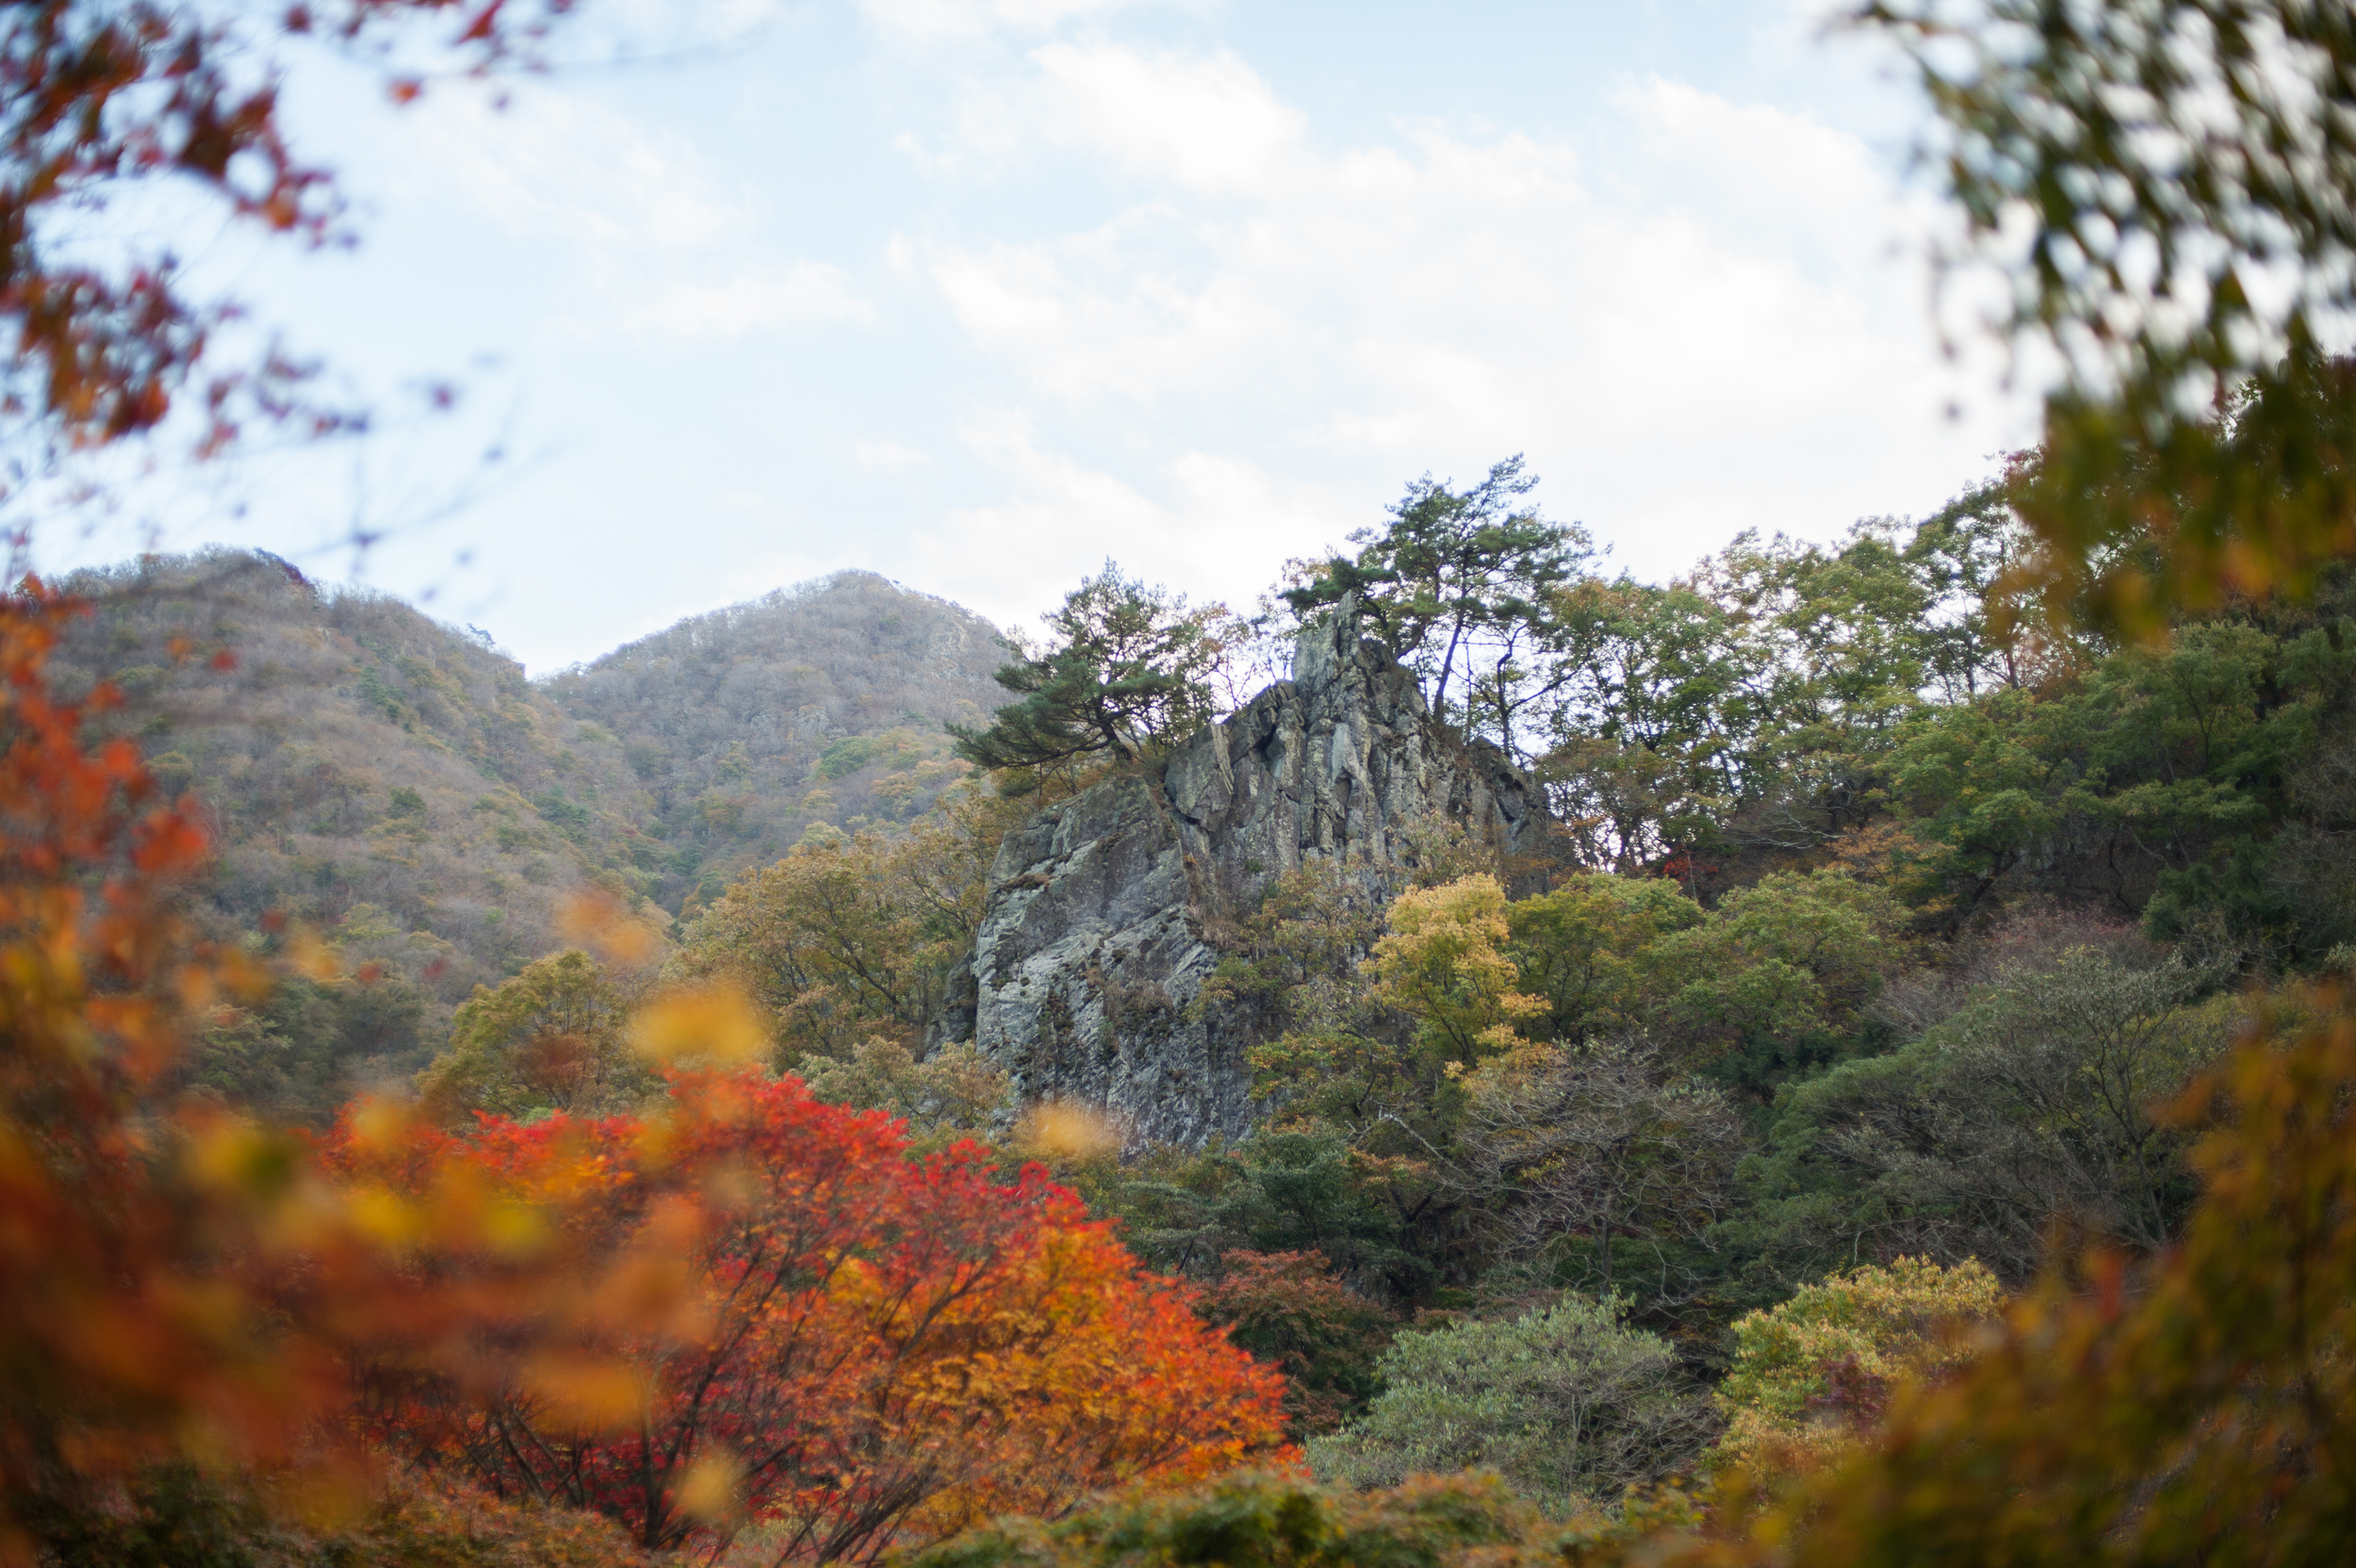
(751, 1306)
(126, 1335)
(176, 1283)
(776, 1315)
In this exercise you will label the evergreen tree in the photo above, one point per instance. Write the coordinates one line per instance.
(1459, 585)
(1128, 666)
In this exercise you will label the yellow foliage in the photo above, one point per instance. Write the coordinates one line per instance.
(1064, 1132)
(714, 1023)
(1809, 1370)
(1444, 961)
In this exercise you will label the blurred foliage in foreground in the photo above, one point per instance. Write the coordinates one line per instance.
(738, 1307)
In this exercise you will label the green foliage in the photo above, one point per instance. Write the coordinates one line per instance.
(1280, 1191)
(1289, 966)
(1656, 707)
(2037, 1102)
(744, 728)
(1126, 668)
(1586, 950)
(1458, 584)
(2167, 773)
(847, 756)
(851, 938)
(1568, 1404)
(2189, 1411)
(1779, 974)
(549, 1039)
(953, 1094)
(1249, 1521)
(302, 1050)
(1747, 710)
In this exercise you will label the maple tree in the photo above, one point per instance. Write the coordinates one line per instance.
(800, 1323)
(176, 1285)
(108, 104)
(790, 1321)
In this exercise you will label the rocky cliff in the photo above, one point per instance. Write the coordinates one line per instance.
(1093, 949)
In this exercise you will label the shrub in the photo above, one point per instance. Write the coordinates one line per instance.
(1567, 1403)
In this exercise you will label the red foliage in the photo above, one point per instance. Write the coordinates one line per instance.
(1287, 1309)
(774, 1313)
(124, 1333)
(750, 1305)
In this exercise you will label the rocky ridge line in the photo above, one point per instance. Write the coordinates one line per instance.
(1094, 946)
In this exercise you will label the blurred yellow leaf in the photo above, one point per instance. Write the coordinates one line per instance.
(1065, 1130)
(379, 1125)
(237, 1154)
(597, 919)
(709, 1489)
(588, 1393)
(514, 1230)
(310, 958)
(715, 1023)
(386, 1216)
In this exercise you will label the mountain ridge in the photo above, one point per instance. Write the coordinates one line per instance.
(400, 785)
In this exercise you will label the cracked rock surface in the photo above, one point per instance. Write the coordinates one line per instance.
(1093, 950)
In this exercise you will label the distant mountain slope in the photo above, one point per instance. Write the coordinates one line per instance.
(817, 708)
(400, 785)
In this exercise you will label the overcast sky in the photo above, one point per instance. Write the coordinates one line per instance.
(976, 294)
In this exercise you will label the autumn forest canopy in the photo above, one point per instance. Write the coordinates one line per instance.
(1882, 1094)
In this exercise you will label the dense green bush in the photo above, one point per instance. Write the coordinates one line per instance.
(1567, 1403)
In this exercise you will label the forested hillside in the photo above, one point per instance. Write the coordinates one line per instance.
(398, 785)
(817, 707)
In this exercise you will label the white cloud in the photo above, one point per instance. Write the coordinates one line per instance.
(1206, 123)
(1707, 329)
(1214, 524)
(943, 21)
(560, 164)
(808, 294)
(889, 457)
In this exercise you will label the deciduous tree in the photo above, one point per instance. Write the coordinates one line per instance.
(1458, 583)
(1606, 1148)
(1812, 1373)
(549, 1037)
(811, 1331)
(1567, 1403)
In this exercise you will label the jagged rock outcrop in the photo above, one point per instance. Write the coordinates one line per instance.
(1093, 948)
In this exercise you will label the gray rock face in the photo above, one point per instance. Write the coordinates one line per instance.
(1092, 951)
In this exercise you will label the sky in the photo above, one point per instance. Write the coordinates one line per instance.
(978, 293)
